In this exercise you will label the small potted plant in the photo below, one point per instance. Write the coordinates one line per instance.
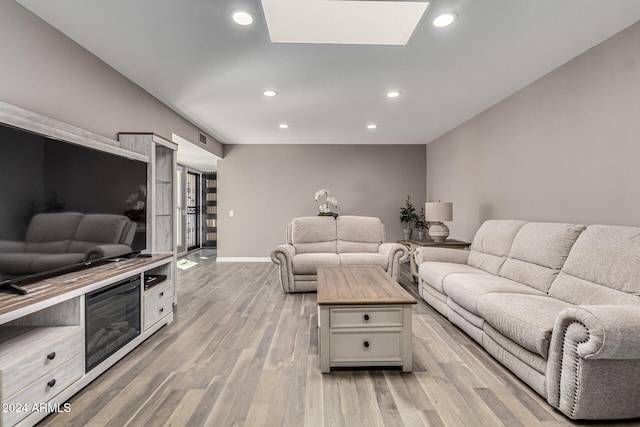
(421, 224)
(324, 209)
(407, 217)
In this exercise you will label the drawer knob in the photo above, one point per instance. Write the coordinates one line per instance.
(366, 317)
(51, 355)
(161, 309)
(161, 294)
(51, 383)
(366, 344)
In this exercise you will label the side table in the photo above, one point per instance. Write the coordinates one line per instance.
(414, 244)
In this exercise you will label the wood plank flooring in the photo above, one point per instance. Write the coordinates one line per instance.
(242, 353)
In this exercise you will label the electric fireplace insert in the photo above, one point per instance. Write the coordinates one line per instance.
(112, 319)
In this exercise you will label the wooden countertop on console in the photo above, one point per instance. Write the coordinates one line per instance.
(48, 289)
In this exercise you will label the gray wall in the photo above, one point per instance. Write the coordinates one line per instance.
(45, 72)
(268, 185)
(566, 148)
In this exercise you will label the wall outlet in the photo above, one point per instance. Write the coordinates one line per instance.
(231, 213)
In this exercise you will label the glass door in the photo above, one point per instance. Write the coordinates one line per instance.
(193, 211)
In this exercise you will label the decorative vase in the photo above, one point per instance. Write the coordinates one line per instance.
(421, 234)
(406, 233)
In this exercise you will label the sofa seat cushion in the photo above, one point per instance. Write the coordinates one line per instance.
(466, 289)
(17, 263)
(525, 319)
(47, 262)
(531, 359)
(309, 263)
(364, 259)
(31, 263)
(434, 273)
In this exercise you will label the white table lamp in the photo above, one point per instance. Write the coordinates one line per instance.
(436, 213)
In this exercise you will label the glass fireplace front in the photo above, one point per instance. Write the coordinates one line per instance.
(112, 317)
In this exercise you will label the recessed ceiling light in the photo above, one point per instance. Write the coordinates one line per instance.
(241, 17)
(445, 19)
(393, 94)
(270, 93)
(284, 126)
(372, 126)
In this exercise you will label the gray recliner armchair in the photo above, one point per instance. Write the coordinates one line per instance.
(324, 240)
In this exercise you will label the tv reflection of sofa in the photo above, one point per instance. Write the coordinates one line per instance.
(56, 240)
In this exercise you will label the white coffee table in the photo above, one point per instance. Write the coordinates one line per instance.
(364, 318)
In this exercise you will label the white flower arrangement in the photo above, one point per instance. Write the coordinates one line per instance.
(324, 209)
(136, 201)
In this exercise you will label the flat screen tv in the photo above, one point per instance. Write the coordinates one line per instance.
(40, 174)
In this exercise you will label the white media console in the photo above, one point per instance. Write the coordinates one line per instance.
(43, 334)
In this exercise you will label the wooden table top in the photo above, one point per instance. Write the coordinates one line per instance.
(429, 242)
(359, 284)
(59, 285)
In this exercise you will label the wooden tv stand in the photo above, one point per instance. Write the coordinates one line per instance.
(42, 335)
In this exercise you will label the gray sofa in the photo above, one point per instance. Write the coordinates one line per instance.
(557, 304)
(56, 240)
(325, 240)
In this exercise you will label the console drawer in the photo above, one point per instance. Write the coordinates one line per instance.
(158, 293)
(373, 345)
(153, 313)
(352, 317)
(41, 351)
(42, 390)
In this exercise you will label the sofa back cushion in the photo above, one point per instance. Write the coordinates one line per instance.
(51, 233)
(538, 252)
(603, 267)
(359, 234)
(311, 234)
(492, 244)
(98, 229)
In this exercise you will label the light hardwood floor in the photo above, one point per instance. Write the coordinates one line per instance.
(242, 353)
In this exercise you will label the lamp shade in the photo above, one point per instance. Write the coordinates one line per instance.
(438, 211)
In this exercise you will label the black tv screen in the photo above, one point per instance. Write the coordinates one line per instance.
(39, 174)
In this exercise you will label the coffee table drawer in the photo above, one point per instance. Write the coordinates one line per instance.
(358, 317)
(372, 345)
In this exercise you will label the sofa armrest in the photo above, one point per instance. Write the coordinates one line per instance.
(426, 253)
(612, 331)
(593, 369)
(8, 246)
(283, 256)
(395, 253)
(106, 251)
(392, 250)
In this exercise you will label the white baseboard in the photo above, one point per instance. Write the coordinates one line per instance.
(243, 259)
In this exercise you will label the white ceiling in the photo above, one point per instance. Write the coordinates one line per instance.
(191, 56)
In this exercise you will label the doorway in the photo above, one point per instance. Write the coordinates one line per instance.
(192, 208)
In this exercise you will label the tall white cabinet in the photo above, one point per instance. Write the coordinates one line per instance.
(161, 189)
